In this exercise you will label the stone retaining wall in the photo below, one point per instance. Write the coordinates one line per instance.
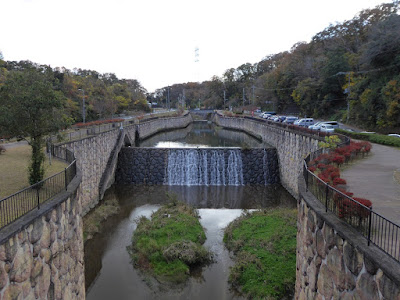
(92, 155)
(335, 262)
(148, 165)
(41, 254)
(292, 147)
(146, 129)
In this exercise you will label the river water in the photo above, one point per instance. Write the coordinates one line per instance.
(109, 272)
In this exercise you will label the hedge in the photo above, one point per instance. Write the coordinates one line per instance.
(372, 137)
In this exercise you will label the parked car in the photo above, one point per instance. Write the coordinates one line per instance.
(276, 119)
(305, 122)
(316, 126)
(333, 123)
(394, 135)
(327, 128)
(290, 120)
(265, 115)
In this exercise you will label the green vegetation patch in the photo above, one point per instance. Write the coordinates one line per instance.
(92, 222)
(264, 243)
(170, 243)
(372, 137)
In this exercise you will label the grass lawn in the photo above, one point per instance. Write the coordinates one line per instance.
(14, 169)
(264, 244)
(170, 243)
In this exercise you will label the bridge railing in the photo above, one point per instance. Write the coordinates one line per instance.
(30, 198)
(377, 229)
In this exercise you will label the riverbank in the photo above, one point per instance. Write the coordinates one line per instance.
(264, 244)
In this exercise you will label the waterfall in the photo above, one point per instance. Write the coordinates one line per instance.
(204, 167)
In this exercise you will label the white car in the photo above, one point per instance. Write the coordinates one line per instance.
(290, 120)
(265, 115)
(307, 122)
(394, 135)
(316, 126)
(327, 128)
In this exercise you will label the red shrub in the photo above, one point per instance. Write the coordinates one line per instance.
(334, 175)
(338, 181)
(323, 178)
(321, 166)
(338, 159)
(312, 169)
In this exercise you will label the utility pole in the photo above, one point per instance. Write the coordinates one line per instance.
(346, 91)
(224, 100)
(348, 101)
(243, 97)
(168, 101)
(83, 105)
(253, 93)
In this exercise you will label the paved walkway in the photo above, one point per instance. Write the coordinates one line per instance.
(373, 178)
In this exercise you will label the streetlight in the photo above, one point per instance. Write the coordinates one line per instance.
(83, 104)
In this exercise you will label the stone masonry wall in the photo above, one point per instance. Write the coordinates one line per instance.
(292, 147)
(335, 262)
(146, 129)
(41, 254)
(92, 155)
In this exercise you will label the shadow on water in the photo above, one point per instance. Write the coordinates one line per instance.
(109, 273)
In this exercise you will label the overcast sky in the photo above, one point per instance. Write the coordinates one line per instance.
(154, 41)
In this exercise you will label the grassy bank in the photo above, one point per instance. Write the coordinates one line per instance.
(170, 243)
(264, 244)
(14, 169)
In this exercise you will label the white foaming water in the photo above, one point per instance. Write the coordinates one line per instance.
(204, 167)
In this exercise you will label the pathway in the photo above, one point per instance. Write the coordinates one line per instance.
(373, 178)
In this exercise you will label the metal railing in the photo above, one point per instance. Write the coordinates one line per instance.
(374, 227)
(24, 201)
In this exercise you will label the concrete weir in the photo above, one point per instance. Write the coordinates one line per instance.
(209, 166)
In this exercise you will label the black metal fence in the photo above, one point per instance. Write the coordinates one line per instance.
(22, 202)
(375, 228)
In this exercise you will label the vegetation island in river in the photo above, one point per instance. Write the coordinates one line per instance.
(169, 244)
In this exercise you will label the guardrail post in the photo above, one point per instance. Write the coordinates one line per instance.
(326, 197)
(38, 197)
(65, 177)
(369, 225)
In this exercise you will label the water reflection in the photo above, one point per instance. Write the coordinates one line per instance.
(201, 135)
(107, 264)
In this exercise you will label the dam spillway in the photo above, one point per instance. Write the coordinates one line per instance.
(197, 166)
(202, 167)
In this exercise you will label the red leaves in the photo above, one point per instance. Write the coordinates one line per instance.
(338, 180)
(338, 159)
(330, 175)
(98, 122)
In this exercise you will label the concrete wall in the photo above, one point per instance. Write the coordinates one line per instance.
(149, 165)
(41, 254)
(335, 262)
(292, 146)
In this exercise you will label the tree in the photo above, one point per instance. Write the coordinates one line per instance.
(30, 108)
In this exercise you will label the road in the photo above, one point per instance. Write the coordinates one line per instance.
(373, 178)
